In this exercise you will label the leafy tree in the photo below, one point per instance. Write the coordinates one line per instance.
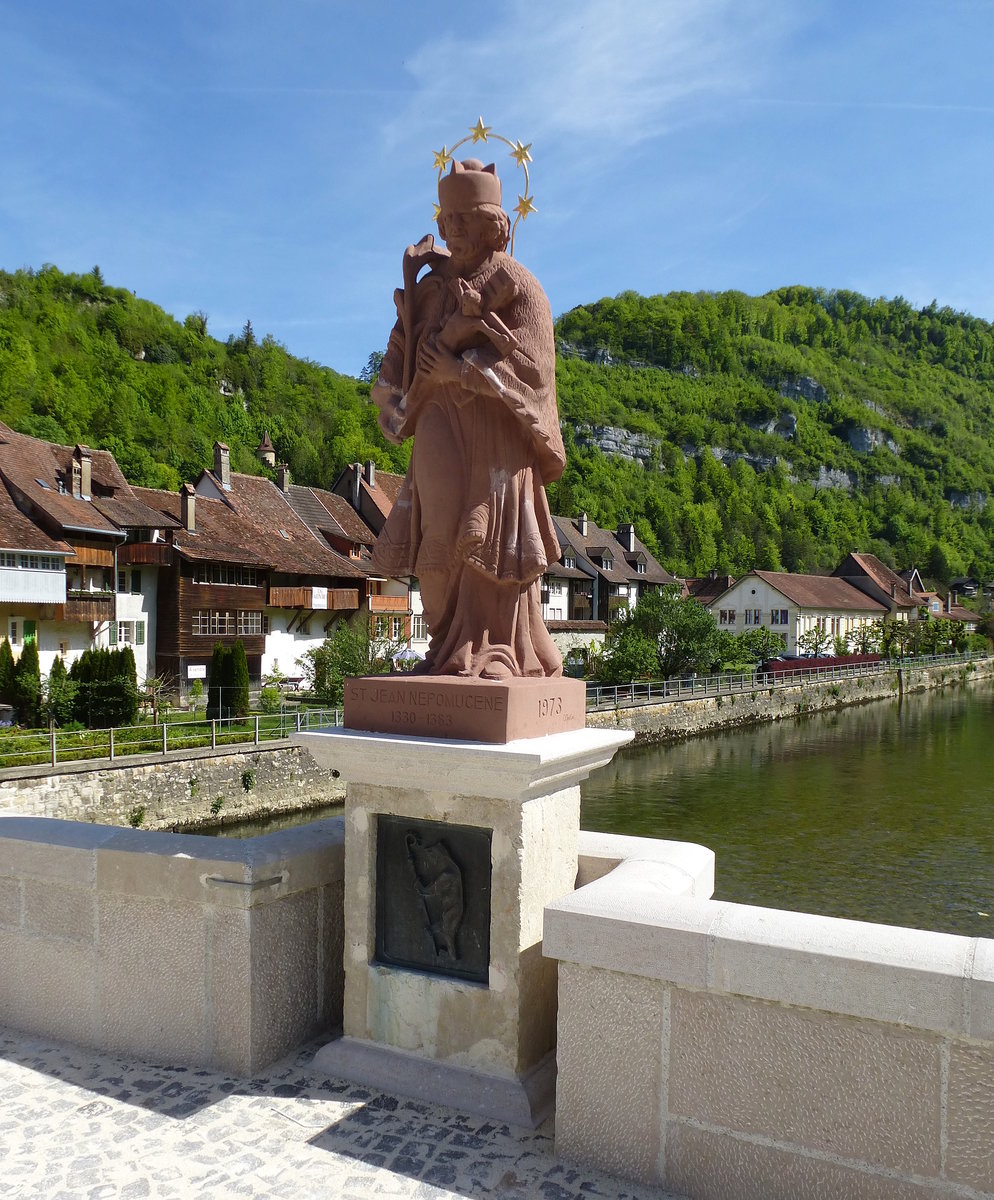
(760, 643)
(865, 639)
(681, 632)
(345, 654)
(815, 641)
(27, 685)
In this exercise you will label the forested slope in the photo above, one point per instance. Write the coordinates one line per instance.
(81, 361)
(778, 431)
(788, 428)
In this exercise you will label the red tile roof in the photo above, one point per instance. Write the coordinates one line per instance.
(818, 591)
(18, 532)
(33, 471)
(254, 524)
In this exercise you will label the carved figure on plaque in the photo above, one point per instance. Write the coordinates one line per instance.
(439, 884)
(469, 371)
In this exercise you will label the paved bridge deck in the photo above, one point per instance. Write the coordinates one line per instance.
(76, 1124)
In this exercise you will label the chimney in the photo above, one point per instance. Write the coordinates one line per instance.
(370, 473)
(893, 591)
(626, 535)
(187, 513)
(222, 465)
(950, 601)
(82, 476)
(910, 589)
(582, 524)
(356, 481)
(283, 477)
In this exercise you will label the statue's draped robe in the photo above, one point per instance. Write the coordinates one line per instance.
(472, 520)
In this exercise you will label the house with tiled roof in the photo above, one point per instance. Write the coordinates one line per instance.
(708, 587)
(68, 514)
(395, 605)
(618, 565)
(240, 563)
(902, 595)
(370, 491)
(791, 605)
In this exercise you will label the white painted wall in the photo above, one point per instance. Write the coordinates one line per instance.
(752, 593)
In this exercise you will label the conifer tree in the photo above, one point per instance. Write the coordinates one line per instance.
(239, 680)
(27, 685)
(6, 672)
(217, 680)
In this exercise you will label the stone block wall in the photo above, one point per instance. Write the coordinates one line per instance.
(182, 787)
(724, 1050)
(211, 952)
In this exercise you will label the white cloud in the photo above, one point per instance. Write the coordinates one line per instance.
(608, 74)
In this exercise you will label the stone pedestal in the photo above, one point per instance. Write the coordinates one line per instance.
(452, 851)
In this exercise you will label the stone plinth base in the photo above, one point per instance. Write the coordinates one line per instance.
(477, 710)
(525, 1101)
(453, 849)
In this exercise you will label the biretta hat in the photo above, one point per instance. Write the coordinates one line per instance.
(469, 184)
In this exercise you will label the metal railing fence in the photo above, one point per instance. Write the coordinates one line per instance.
(643, 692)
(54, 746)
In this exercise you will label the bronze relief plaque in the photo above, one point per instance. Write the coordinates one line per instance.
(433, 897)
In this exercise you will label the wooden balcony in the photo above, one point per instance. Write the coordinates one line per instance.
(389, 604)
(316, 599)
(144, 554)
(86, 606)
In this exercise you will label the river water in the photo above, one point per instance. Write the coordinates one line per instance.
(880, 812)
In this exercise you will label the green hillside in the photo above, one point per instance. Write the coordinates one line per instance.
(840, 422)
(778, 431)
(81, 361)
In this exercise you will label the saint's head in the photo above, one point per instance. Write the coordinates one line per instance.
(471, 222)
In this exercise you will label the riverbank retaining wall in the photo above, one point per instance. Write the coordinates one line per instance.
(192, 788)
(683, 718)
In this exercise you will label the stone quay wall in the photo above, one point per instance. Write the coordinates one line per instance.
(216, 952)
(723, 1050)
(683, 718)
(191, 788)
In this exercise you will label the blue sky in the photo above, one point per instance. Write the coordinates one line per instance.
(271, 162)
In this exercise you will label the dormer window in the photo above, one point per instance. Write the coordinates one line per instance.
(640, 566)
(607, 564)
(569, 561)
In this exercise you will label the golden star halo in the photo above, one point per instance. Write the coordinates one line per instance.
(524, 206)
(519, 151)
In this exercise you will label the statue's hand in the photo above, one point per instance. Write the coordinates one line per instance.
(438, 364)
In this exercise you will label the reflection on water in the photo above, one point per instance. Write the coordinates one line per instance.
(882, 812)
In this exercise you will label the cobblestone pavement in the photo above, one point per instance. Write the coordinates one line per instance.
(77, 1124)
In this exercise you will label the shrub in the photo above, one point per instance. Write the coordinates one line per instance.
(106, 688)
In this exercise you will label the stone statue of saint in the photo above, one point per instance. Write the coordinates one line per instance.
(470, 372)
